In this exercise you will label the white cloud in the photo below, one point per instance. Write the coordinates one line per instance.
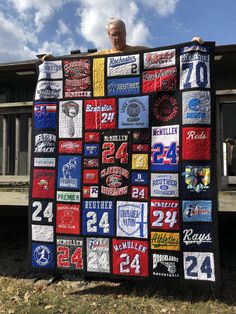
(162, 7)
(95, 14)
(62, 29)
(56, 48)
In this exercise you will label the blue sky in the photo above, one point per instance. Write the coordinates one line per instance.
(30, 27)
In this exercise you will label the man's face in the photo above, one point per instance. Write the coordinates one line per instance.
(117, 36)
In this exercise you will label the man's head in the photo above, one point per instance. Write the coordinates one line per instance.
(117, 33)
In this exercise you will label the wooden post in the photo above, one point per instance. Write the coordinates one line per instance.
(29, 144)
(4, 145)
(17, 145)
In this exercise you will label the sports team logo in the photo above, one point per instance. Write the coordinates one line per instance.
(140, 161)
(68, 218)
(90, 176)
(194, 70)
(100, 114)
(70, 147)
(159, 59)
(196, 143)
(90, 191)
(197, 178)
(197, 211)
(43, 255)
(45, 115)
(169, 241)
(123, 86)
(69, 172)
(164, 109)
(78, 78)
(42, 233)
(164, 185)
(132, 219)
(199, 266)
(69, 253)
(115, 181)
(164, 214)
(159, 80)
(123, 65)
(91, 163)
(49, 90)
(133, 112)
(98, 255)
(44, 162)
(139, 148)
(165, 148)
(91, 150)
(68, 196)
(197, 236)
(130, 257)
(165, 265)
(50, 70)
(98, 218)
(70, 119)
(196, 107)
(42, 212)
(43, 183)
(139, 178)
(45, 142)
(92, 137)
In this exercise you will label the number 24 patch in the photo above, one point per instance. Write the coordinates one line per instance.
(139, 192)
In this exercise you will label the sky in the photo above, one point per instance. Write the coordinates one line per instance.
(31, 27)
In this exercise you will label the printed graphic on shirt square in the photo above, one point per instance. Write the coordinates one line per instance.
(165, 265)
(90, 191)
(43, 183)
(43, 255)
(199, 266)
(98, 218)
(78, 78)
(68, 218)
(69, 172)
(197, 237)
(140, 136)
(45, 142)
(49, 90)
(123, 86)
(194, 69)
(42, 233)
(196, 180)
(90, 176)
(131, 219)
(70, 119)
(123, 65)
(139, 178)
(133, 112)
(42, 212)
(159, 59)
(197, 211)
(164, 185)
(44, 162)
(159, 80)
(164, 214)
(69, 253)
(139, 193)
(164, 110)
(50, 70)
(165, 148)
(98, 255)
(92, 137)
(130, 257)
(70, 147)
(169, 241)
(139, 148)
(140, 161)
(100, 114)
(91, 150)
(68, 196)
(114, 181)
(98, 77)
(45, 114)
(196, 143)
(196, 107)
(90, 163)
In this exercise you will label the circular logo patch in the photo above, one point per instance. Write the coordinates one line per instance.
(165, 108)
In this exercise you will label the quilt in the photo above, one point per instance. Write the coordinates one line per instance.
(123, 179)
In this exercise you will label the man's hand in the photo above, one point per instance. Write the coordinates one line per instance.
(198, 39)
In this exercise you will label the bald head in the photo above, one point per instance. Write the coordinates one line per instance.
(116, 31)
